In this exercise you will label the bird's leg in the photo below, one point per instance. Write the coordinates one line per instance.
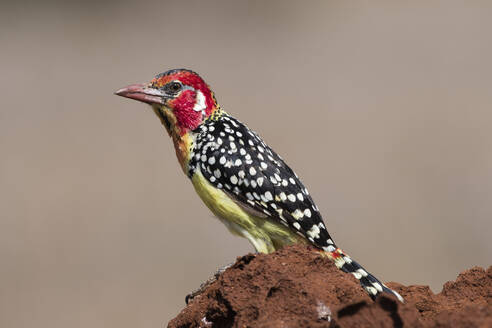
(207, 283)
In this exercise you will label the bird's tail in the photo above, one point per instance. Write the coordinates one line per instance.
(371, 284)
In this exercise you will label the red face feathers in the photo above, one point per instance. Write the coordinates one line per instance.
(179, 94)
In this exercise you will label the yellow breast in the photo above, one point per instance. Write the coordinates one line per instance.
(265, 234)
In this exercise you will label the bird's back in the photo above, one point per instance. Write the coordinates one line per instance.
(236, 161)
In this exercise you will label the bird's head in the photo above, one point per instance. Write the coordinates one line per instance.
(180, 98)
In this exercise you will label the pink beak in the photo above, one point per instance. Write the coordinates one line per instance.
(143, 93)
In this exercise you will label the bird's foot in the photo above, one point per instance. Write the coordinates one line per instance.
(207, 283)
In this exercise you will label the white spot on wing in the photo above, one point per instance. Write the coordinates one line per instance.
(297, 214)
(314, 231)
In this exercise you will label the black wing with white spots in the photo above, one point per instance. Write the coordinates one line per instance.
(234, 158)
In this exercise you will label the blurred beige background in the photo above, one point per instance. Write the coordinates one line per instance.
(383, 108)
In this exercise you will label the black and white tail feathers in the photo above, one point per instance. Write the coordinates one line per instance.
(370, 283)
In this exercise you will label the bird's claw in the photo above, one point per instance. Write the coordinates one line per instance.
(207, 283)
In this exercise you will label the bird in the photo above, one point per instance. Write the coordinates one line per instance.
(242, 180)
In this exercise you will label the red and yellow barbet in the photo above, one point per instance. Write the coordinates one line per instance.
(238, 176)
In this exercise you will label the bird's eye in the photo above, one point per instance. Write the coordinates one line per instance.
(173, 87)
